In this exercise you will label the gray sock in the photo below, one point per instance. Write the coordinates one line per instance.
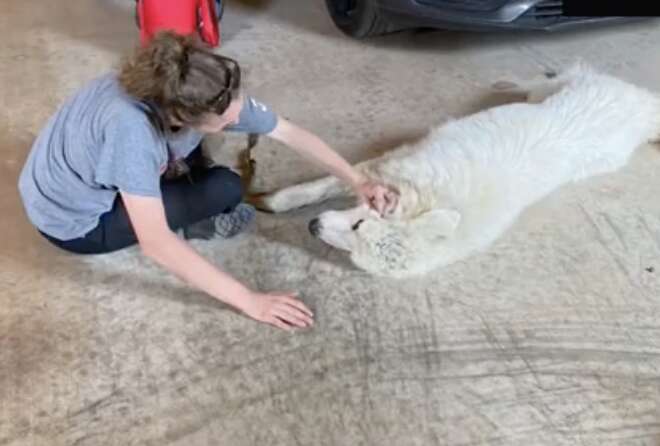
(237, 221)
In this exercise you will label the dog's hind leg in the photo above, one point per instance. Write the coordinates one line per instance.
(300, 195)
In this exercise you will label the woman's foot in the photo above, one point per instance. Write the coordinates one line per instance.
(223, 225)
(235, 222)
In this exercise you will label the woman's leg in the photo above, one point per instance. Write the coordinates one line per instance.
(202, 194)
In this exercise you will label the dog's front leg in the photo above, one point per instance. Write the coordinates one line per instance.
(300, 195)
(311, 192)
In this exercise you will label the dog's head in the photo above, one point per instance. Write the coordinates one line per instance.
(397, 245)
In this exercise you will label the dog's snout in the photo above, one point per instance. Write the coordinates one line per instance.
(315, 227)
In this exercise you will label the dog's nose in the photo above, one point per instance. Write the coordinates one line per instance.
(315, 227)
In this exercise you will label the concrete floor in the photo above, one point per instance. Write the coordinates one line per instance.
(552, 337)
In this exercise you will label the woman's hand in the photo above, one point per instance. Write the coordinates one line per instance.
(378, 196)
(283, 310)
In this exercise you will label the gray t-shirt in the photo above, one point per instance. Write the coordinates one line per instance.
(99, 142)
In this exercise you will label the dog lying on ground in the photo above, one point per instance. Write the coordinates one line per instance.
(464, 184)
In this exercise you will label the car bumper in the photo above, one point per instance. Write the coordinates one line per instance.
(484, 14)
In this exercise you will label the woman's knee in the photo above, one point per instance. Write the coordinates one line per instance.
(224, 186)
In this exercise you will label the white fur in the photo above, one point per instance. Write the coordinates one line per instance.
(465, 183)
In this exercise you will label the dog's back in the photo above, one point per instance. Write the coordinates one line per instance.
(498, 162)
(589, 123)
(596, 122)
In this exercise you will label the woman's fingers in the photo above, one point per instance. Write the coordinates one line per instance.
(297, 319)
(291, 300)
(391, 200)
(385, 201)
(279, 323)
(297, 313)
(285, 311)
(293, 311)
(375, 201)
(379, 204)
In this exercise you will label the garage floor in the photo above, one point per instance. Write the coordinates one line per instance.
(552, 337)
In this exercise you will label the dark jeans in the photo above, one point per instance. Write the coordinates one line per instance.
(189, 199)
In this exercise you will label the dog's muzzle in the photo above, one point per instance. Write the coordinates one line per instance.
(315, 227)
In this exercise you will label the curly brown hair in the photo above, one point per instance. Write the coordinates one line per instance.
(181, 77)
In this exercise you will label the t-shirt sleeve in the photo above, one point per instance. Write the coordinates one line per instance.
(255, 117)
(132, 157)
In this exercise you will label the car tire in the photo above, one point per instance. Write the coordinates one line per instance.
(358, 18)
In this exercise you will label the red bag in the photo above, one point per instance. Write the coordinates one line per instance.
(181, 16)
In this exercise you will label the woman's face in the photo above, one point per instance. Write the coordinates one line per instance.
(213, 123)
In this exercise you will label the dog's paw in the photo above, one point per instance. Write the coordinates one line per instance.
(259, 202)
(279, 201)
(265, 202)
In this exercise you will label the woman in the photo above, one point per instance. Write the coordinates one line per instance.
(93, 180)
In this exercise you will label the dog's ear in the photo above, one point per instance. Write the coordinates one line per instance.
(442, 222)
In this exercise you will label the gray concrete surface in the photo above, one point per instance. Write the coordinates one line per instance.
(552, 337)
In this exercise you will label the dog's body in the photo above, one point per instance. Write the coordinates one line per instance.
(466, 182)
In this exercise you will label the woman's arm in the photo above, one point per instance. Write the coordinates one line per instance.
(379, 196)
(313, 148)
(158, 242)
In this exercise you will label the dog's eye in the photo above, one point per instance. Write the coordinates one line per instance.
(357, 224)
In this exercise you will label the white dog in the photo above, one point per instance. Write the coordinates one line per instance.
(465, 183)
